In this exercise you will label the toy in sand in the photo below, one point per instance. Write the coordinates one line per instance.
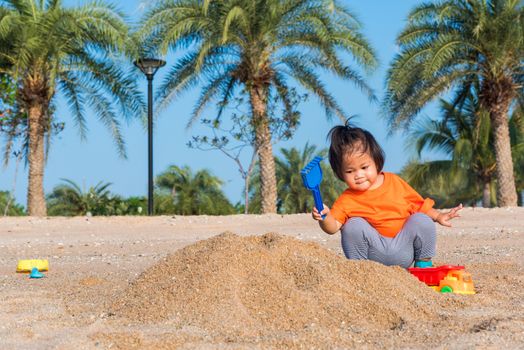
(35, 273)
(29, 264)
(445, 278)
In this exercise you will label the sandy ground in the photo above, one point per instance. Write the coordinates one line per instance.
(92, 260)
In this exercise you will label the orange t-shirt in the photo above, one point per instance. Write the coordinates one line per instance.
(386, 208)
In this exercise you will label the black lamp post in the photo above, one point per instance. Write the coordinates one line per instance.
(149, 67)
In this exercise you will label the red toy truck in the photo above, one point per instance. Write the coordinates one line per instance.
(445, 278)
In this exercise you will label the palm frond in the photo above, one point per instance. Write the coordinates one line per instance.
(76, 101)
(223, 85)
(311, 81)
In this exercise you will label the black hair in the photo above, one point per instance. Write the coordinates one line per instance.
(346, 139)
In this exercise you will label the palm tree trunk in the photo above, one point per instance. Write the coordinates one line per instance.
(36, 205)
(506, 190)
(486, 194)
(268, 181)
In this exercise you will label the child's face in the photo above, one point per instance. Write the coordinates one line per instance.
(360, 171)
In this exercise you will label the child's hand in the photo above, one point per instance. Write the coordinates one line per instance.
(318, 216)
(443, 218)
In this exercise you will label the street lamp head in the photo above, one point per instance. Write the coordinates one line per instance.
(149, 65)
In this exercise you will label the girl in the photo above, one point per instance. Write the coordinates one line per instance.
(380, 216)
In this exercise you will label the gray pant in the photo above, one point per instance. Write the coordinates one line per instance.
(416, 240)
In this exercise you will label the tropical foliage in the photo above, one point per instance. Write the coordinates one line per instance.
(8, 206)
(179, 191)
(293, 197)
(464, 134)
(46, 48)
(231, 142)
(8, 106)
(193, 194)
(14, 123)
(257, 48)
(235, 134)
(455, 44)
(69, 199)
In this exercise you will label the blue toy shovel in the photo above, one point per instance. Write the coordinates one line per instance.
(312, 176)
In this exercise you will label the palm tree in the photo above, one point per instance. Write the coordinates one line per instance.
(470, 171)
(194, 194)
(453, 44)
(69, 199)
(46, 48)
(464, 134)
(293, 197)
(441, 182)
(259, 46)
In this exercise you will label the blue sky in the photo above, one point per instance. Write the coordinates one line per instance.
(96, 159)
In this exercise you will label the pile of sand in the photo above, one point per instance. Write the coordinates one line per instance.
(268, 285)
